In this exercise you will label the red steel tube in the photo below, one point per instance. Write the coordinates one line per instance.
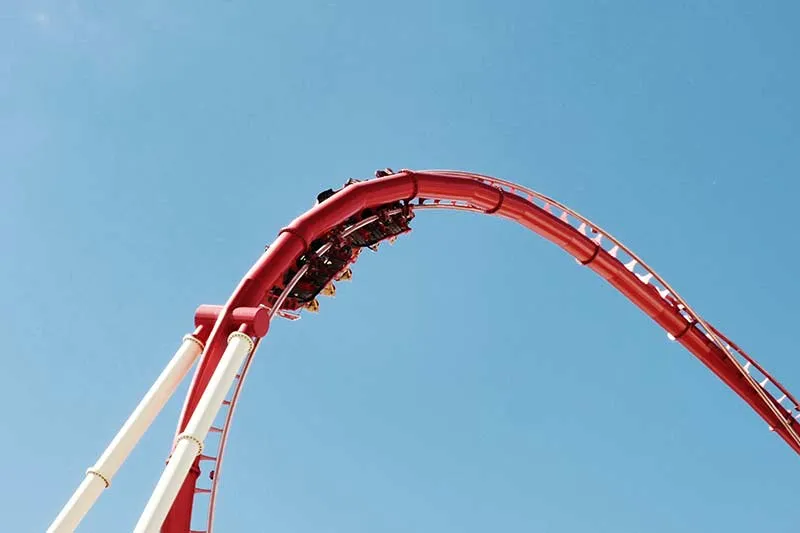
(293, 240)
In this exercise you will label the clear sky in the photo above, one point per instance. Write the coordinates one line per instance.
(471, 378)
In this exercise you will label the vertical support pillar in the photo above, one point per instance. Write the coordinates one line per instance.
(98, 477)
(189, 444)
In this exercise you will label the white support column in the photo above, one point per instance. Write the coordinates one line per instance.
(189, 444)
(98, 477)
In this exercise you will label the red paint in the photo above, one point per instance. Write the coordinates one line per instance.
(206, 315)
(255, 318)
(292, 241)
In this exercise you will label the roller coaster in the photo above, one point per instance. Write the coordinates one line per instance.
(316, 251)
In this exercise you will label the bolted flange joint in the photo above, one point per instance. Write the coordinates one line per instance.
(190, 438)
(96, 472)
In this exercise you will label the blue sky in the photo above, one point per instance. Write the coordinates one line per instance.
(472, 378)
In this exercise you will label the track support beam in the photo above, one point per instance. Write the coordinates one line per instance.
(98, 477)
(189, 444)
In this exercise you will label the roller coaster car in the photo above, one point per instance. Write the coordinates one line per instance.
(322, 270)
(385, 222)
(392, 220)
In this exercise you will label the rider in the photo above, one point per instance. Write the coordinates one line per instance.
(324, 195)
(327, 193)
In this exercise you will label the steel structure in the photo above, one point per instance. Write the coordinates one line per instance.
(226, 337)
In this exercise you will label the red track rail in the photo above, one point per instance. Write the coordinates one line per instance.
(590, 245)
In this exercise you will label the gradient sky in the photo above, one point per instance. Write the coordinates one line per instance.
(472, 378)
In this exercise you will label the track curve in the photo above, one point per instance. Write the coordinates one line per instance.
(446, 189)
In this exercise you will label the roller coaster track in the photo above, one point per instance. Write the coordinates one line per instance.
(589, 244)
